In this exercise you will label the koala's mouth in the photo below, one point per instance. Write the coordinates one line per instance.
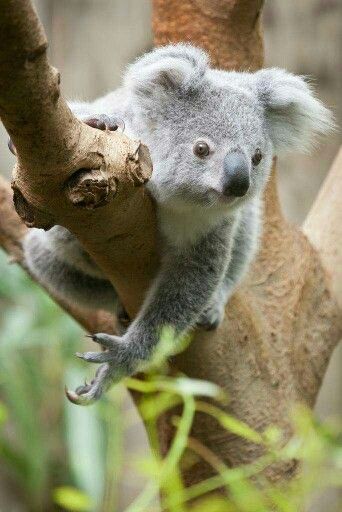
(222, 198)
(228, 199)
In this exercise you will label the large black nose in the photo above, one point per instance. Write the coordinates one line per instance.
(236, 174)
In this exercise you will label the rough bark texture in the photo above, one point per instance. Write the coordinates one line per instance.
(282, 324)
(228, 29)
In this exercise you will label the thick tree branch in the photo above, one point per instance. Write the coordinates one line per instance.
(323, 226)
(57, 153)
(281, 325)
(228, 29)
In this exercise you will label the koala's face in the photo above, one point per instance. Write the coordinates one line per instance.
(209, 147)
(212, 134)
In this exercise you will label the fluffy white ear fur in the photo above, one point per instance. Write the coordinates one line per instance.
(294, 115)
(179, 66)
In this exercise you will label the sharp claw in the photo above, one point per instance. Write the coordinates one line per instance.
(71, 396)
(80, 399)
(94, 391)
(106, 340)
(104, 122)
(91, 121)
(118, 123)
(93, 357)
(12, 147)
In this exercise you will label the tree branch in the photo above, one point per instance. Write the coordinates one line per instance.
(323, 226)
(257, 355)
(57, 153)
(228, 29)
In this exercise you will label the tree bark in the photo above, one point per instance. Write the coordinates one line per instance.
(67, 172)
(281, 325)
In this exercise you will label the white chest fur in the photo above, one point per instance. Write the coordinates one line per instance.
(185, 226)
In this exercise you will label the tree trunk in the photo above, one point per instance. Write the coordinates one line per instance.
(282, 324)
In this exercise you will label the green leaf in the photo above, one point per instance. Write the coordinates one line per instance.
(272, 435)
(152, 406)
(3, 414)
(195, 387)
(214, 504)
(177, 385)
(85, 441)
(247, 497)
(231, 423)
(72, 499)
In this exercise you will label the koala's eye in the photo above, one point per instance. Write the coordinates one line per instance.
(257, 157)
(201, 149)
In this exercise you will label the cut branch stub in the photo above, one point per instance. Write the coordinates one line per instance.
(90, 188)
(139, 164)
(93, 188)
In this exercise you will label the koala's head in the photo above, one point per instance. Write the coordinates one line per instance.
(212, 134)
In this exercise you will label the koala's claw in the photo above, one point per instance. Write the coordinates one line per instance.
(105, 340)
(93, 357)
(116, 361)
(208, 325)
(11, 147)
(211, 317)
(89, 393)
(104, 122)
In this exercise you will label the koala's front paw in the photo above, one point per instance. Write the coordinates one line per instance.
(211, 317)
(104, 122)
(120, 359)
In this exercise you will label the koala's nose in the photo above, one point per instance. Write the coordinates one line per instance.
(236, 174)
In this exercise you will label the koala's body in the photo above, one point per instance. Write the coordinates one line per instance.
(212, 136)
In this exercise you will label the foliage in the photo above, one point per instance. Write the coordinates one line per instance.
(63, 457)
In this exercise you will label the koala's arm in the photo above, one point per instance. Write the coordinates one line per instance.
(59, 262)
(185, 284)
(244, 248)
(187, 279)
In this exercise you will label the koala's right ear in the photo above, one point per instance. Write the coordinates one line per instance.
(168, 68)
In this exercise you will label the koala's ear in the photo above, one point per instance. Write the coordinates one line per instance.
(294, 116)
(171, 67)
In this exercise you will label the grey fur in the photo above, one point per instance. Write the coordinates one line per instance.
(169, 99)
(57, 259)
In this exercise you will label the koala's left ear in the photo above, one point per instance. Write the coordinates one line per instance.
(294, 116)
(166, 68)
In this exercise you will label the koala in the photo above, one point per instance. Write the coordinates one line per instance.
(212, 135)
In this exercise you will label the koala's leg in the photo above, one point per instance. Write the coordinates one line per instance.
(58, 261)
(244, 248)
(178, 295)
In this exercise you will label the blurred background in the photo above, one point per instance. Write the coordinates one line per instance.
(48, 448)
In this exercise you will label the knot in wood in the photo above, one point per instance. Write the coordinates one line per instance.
(90, 188)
